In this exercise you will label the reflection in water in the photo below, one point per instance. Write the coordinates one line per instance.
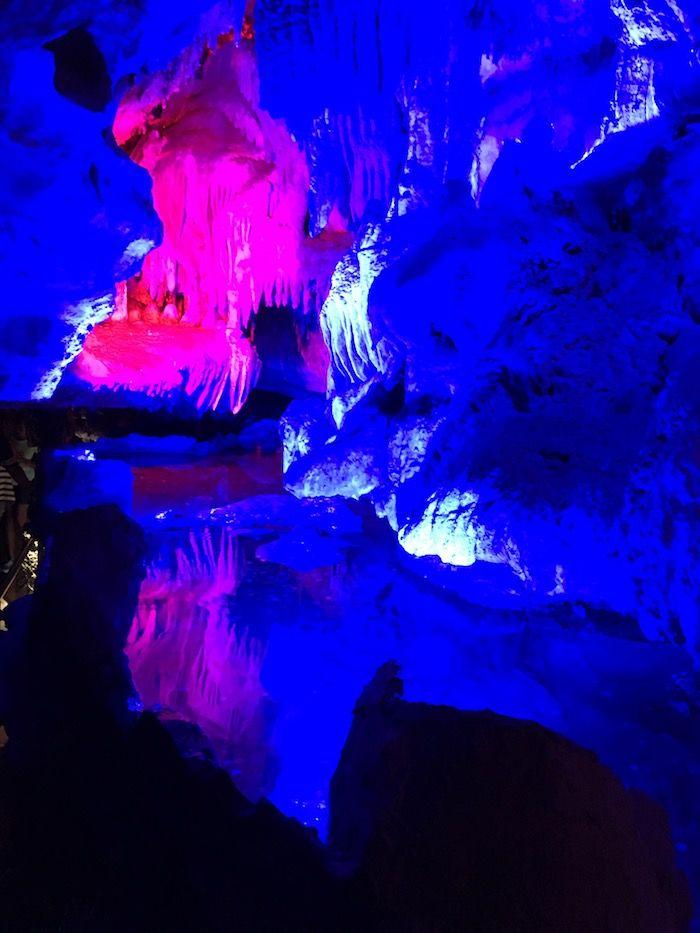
(261, 618)
(188, 658)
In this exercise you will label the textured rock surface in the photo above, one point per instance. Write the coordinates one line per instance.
(546, 421)
(511, 382)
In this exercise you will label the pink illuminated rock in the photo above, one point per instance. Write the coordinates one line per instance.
(230, 185)
(159, 357)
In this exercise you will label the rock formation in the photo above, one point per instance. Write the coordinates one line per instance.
(472, 821)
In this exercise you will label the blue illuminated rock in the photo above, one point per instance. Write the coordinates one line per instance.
(531, 346)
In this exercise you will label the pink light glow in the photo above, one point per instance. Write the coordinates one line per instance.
(187, 657)
(159, 358)
(230, 185)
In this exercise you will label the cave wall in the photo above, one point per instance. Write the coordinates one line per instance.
(479, 222)
(537, 411)
(77, 214)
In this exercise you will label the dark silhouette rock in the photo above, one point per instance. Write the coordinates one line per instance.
(104, 825)
(81, 70)
(472, 821)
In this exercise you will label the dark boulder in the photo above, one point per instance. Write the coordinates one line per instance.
(472, 821)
